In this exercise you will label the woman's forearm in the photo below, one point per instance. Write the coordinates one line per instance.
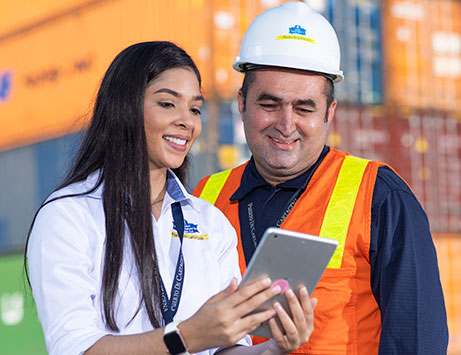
(148, 343)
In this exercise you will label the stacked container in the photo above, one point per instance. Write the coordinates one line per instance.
(422, 46)
(358, 25)
(424, 148)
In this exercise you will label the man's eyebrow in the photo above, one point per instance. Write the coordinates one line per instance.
(269, 97)
(177, 94)
(266, 96)
(305, 102)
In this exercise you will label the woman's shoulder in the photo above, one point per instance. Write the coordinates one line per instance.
(211, 216)
(205, 207)
(87, 188)
(79, 200)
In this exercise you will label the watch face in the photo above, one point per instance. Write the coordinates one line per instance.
(174, 343)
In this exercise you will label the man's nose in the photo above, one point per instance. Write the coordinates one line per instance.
(286, 121)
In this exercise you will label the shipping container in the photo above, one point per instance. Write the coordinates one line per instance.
(50, 72)
(72, 46)
(428, 144)
(231, 19)
(362, 131)
(27, 175)
(358, 26)
(422, 54)
(448, 248)
(17, 15)
(424, 147)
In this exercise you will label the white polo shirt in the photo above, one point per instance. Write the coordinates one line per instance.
(66, 254)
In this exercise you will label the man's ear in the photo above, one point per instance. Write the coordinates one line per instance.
(241, 103)
(331, 112)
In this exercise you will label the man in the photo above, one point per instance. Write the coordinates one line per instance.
(381, 291)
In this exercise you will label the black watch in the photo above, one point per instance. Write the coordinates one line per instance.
(173, 340)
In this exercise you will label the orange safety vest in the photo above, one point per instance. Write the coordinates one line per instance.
(336, 204)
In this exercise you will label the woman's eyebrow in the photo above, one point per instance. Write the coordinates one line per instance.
(168, 91)
(177, 94)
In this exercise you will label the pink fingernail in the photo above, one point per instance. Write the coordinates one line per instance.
(283, 284)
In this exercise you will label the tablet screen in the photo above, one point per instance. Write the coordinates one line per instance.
(296, 257)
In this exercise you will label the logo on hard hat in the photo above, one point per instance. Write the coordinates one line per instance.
(297, 30)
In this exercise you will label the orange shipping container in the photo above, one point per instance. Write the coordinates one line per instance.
(52, 60)
(19, 14)
(422, 52)
(231, 19)
(49, 73)
(50, 67)
(448, 248)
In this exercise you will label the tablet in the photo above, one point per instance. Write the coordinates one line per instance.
(296, 257)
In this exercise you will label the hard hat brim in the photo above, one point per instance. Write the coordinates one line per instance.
(295, 63)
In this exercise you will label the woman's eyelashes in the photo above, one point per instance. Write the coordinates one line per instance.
(165, 104)
(170, 105)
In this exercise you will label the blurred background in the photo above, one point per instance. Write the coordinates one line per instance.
(400, 103)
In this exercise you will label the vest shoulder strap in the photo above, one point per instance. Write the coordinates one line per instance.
(214, 185)
(341, 205)
(220, 186)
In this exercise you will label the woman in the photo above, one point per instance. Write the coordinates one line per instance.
(120, 248)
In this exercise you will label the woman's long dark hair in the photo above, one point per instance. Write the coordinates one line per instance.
(115, 145)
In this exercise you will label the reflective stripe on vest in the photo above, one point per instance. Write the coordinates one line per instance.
(339, 211)
(214, 186)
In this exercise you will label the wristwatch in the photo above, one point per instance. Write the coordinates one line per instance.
(173, 340)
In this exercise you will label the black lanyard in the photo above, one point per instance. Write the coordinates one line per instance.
(283, 215)
(170, 306)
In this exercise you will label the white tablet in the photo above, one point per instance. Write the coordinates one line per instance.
(296, 257)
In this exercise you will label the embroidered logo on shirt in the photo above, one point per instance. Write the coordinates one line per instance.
(190, 231)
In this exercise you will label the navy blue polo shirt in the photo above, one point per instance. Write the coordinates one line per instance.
(404, 272)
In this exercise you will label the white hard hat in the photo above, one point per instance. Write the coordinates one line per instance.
(291, 35)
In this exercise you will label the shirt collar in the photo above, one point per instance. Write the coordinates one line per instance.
(176, 192)
(251, 179)
(91, 182)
